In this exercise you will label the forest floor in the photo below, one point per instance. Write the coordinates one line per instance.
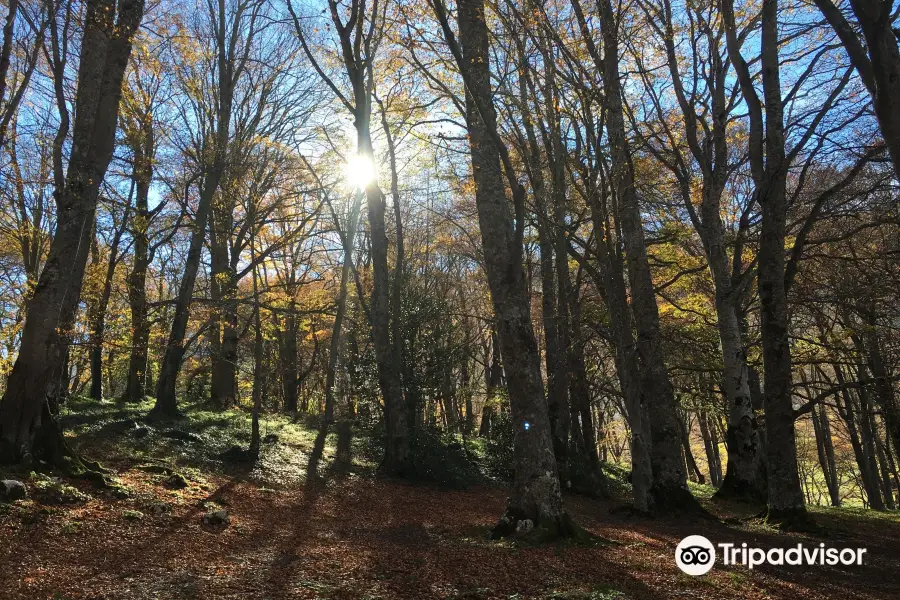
(350, 534)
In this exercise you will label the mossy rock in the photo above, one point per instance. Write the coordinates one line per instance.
(216, 518)
(176, 481)
(159, 508)
(133, 515)
(49, 490)
(155, 469)
(12, 490)
(119, 490)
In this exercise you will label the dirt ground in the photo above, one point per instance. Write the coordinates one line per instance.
(363, 537)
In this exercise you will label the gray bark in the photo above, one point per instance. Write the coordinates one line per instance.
(536, 492)
(105, 50)
(669, 487)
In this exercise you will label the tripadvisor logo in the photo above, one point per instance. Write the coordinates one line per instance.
(696, 555)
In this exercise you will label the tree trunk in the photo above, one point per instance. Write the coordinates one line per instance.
(861, 445)
(494, 376)
(881, 449)
(785, 501)
(347, 239)
(136, 387)
(105, 50)
(579, 390)
(223, 381)
(745, 471)
(825, 451)
(711, 447)
(97, 318)
(288, 349)
(397, 419)
(166, 401)
(689, 459)
(669, 488)
(891, 467)
(213, 171)
(258, 382)
(535, 496)
(884, 389)
(557, 404)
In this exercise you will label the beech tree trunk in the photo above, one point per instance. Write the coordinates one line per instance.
(166, 401)
(769, 168)
(97, 316)
(535, 496)
(711, 447)
(669, 488)
(288, 356)
(230, 68)
(494, 377)
(825, 451)
(136, 387)
(224, 335)
(579, 389)
(347, 239)
(745, 470)
(105, 50)
(397, 420)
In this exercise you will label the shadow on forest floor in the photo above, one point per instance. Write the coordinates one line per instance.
(347, 534)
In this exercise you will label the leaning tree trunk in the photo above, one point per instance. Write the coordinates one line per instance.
(669, 489)
(884, 388)
(535, 496)
(166, 400)
(347, 240)
(25, 423)
(867, 470)
(825, 452)
(711, 447)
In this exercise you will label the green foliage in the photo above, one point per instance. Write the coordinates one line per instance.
(445, 460)
(498, 449)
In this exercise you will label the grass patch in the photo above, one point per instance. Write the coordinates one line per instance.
(192, 443)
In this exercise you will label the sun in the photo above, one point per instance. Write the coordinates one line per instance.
(360, 171)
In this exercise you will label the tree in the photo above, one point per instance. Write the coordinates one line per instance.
(358, 38)
(876, 57)
(26, 423)
(536, 491)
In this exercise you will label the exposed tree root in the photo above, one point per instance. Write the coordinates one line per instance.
(630, 510)
(50, 448)
(515, 525)
(158, 415)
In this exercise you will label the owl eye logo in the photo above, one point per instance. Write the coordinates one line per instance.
(695, 555)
